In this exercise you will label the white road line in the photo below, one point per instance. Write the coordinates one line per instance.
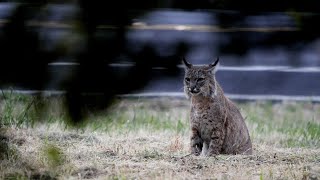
(221, 68)
(178, 95)
(64, 64)
(174, 27)
(232, 96)
(271, 68)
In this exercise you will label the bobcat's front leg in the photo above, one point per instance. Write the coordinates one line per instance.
(196, 142)
(216, 142)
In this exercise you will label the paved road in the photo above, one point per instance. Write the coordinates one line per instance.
(261, 54)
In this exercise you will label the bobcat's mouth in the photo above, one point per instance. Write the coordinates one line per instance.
(194, 91)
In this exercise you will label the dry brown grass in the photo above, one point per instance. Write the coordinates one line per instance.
(152, 152)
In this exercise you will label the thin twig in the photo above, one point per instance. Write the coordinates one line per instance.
(186, 155)
(28, 107)
(5, 98)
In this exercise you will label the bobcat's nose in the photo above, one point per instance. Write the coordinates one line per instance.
(194, 90)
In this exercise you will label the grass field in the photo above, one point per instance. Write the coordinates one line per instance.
(149, 139)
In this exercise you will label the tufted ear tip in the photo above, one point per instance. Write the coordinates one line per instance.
(186, 63)
(213, 66)
(215, 63)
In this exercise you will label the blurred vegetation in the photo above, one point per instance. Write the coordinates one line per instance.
(296, 123)
(275, 124)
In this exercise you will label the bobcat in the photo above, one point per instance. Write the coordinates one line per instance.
(217, 126)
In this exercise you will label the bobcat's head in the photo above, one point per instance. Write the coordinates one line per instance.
(200, 79)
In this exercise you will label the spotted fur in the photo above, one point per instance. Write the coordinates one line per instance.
(217, 126)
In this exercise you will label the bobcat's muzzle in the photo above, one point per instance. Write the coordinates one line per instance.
(194, 90)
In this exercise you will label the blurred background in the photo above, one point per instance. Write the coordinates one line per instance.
(91, 52)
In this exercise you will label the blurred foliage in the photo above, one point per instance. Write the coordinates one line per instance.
(26, 49)
(25, 58)
(54, 156)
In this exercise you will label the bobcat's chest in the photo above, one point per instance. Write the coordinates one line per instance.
(202, 121)
(200, 115)
(204, 112)
(204, 117)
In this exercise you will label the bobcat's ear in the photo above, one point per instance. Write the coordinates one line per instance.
(186, 63)
(213, 66)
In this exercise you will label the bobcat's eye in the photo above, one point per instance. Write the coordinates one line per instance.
(200, 79)
(187, 79)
